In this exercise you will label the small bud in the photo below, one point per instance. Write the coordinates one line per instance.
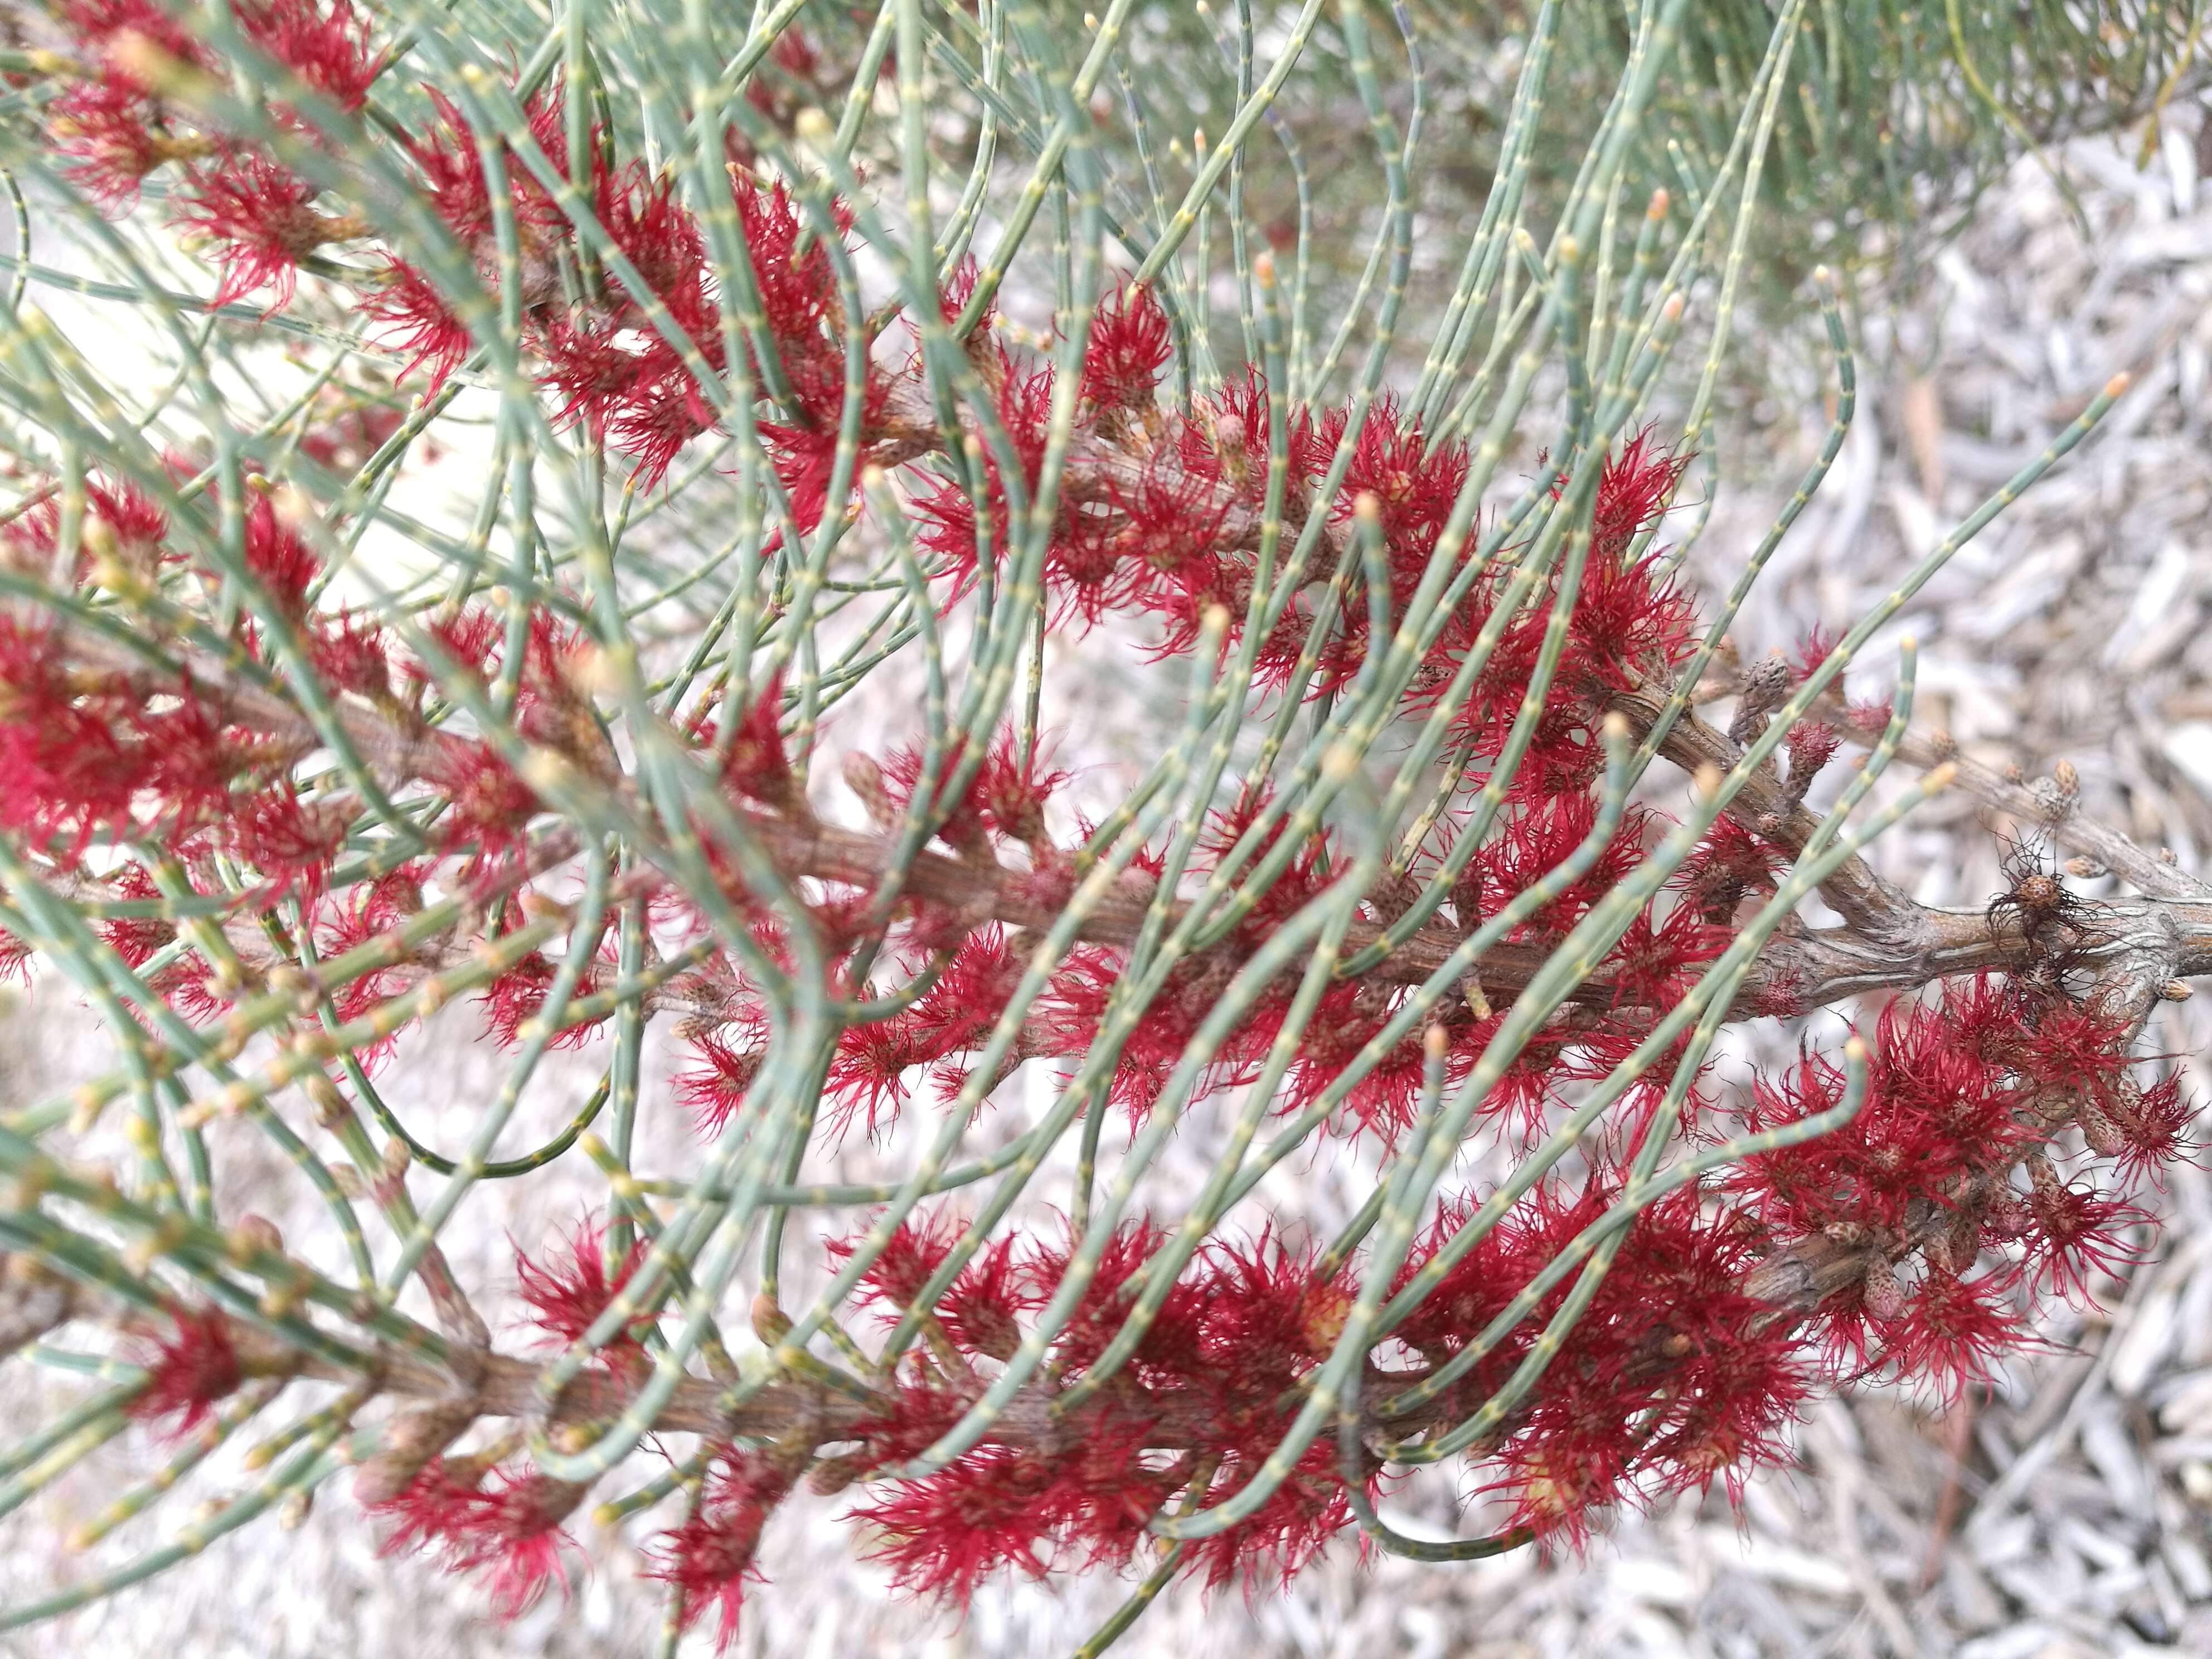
(546, 771)
(331, 1107)
(2087, 868)
(278, 1301)
(1263, 269)
(2014, 773)
(832, 1475)
(865, 778)
(542, 907)
(2098, 1131)
(770, 1323)
(146, 61)
(813, 125)
(1943, 743)
(592, 670)
(1658, 208)
(289, 980)
(2176, 990)
(1884, 1296)
(292, 1514)
(396, 1159)
(1436, 1043)
(2166, 855)
(85, 1108)
(1367, 507)
(253, 1233)
(2068, 780)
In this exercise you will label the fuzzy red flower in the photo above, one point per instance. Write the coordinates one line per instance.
(416, 320)
(712, 1091)
(1129, 345)
(189, 1371)
(15, 957)
(572, 1287)
(508, 1531)
(1953, 1330)
(325, 44)
(709, 1559)
(261, 218)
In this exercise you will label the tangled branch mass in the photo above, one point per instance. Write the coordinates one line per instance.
(1465, 832)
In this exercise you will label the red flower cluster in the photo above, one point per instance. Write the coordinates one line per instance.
(567, 1297)
(1630, 625)
(188, 1373)
(1239, 1330)
(503, 1525)
(258, 217)
(1670, 1379)
(1964, 1091)
(708, 1560)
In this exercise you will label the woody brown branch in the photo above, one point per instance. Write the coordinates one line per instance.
(1888, 942)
